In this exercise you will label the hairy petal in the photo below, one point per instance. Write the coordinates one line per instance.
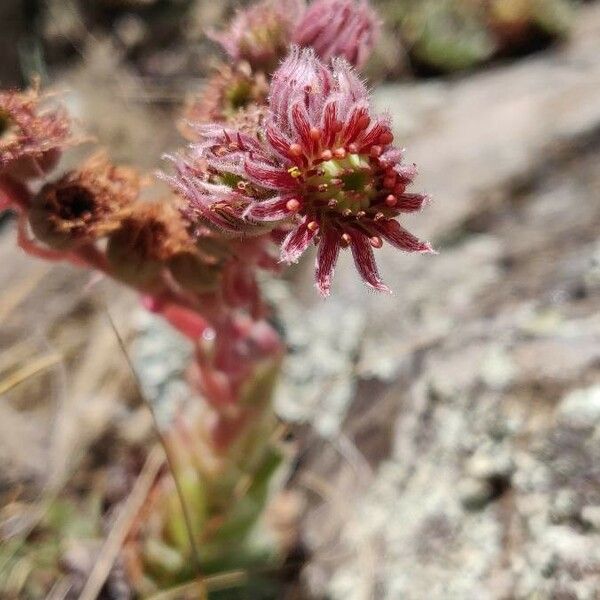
(354, 126)
(279, 143)
(301, 126)
(273, 209)
(300, 78)
(327, 256)
(296, 242)
(396, 235)
(411, 202)
(348, 81)
(339, 28)
(381, 126)
(270, 177)
(364, 259)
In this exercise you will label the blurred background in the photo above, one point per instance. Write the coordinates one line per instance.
(448, 435)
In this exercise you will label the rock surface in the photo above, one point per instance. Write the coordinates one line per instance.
(488, 393)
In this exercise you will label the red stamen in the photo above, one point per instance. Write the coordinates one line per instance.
(345, 241)
(376, 242)
(391, 201)
(326, 155)
(315, 134)
(340, 152)
(376, 151)
(313, 226)
(353, 148)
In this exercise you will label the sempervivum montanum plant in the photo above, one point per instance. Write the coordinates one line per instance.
(303, 161)
(321, 169)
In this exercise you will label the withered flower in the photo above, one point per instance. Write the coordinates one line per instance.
(32, 137)
(83, 205)
(231, 91)
(151, 234)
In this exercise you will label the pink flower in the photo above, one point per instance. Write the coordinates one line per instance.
(344, 28)
(322, 169)
(260, 34)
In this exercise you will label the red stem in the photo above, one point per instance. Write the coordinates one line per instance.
(13, 194)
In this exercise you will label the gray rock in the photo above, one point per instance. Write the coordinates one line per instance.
(581, 407)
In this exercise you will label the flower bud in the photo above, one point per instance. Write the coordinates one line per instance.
(339, 28)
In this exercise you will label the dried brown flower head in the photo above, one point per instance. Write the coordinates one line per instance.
(32, 137)
(150, 234)
(84, 205)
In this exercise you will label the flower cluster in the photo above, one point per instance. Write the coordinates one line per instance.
(95, 216)
(260, 35)
(320, 169)
(258, 40)
(291, 159)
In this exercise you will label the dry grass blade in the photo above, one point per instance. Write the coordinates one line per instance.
(16, 354)
(200, 589)
(29, 370)
(13, 297)
(122, 525)
(171, 462)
